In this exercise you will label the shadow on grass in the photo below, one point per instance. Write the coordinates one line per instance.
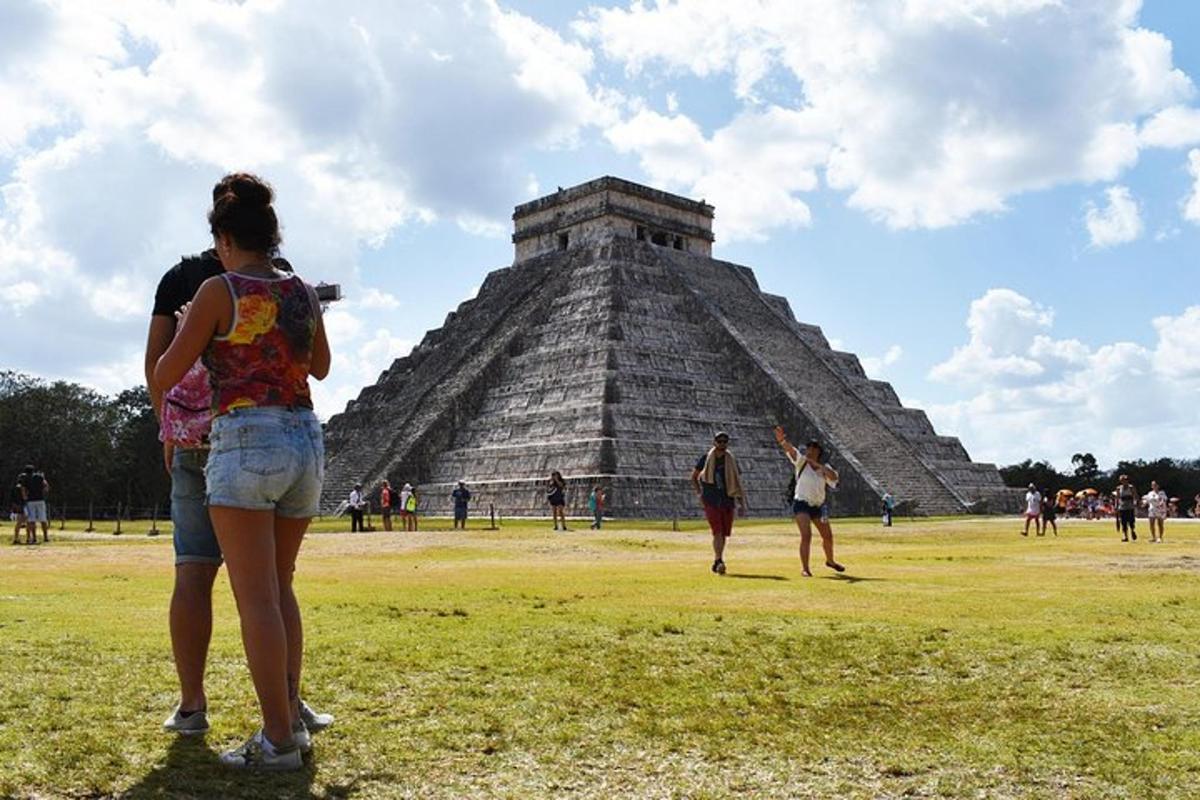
(191, 769)
(844, 578)
(751, 577)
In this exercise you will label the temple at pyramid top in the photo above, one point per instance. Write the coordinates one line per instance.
(615, 207)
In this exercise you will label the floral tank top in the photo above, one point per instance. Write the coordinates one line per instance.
(265, 358)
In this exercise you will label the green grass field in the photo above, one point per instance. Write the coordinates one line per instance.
(954, 659)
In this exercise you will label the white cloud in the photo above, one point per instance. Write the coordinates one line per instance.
(120, 114)
(925, 113)
(1030, 395)
(1177, 126)
(876, 366)
(1119, 222)
(1191, 204)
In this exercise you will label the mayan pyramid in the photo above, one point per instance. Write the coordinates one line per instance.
(611, 350)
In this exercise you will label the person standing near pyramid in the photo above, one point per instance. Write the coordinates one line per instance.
(809, 505)
(718, 484)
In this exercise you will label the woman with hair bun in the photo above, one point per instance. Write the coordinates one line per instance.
(260, 333)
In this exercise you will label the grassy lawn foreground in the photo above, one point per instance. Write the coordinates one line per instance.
(955, 659)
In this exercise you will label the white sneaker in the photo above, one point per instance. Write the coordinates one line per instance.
(314, 721)
(302, 737)
(259, 754)
(194, 724)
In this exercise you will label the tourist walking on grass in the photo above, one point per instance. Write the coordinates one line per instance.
(810, 504)
(385, 505)
(889, 506)
(408, 500)
(462, 502)
(261, 335)
(197, 553)
(1033, 510)
(1157, 507)
(1127, 501)
(1049, 513)
(718, 485)
(596, 505)
(556, 496)
(354, 506)
(37, 489)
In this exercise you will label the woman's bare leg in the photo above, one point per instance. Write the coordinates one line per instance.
(804, 523)
(827, 541)
(289, 533)
(248, 542)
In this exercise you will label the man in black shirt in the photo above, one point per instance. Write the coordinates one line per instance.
(197, 553)
(36, 489)
(16, 505)
(718, 484)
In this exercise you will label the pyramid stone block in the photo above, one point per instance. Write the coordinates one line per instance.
(611, 350)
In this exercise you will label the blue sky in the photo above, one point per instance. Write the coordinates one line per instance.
(995, 203)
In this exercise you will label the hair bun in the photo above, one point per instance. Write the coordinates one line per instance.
(251, 190)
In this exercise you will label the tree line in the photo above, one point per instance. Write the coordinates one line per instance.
(1177, 477)
(94, 449)
(104, 451)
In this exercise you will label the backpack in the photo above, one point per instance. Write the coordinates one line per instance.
(411, 505)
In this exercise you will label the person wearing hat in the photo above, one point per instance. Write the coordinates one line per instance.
(1033, 511)
(718, 485)
(809, 504)
(408, 507)
(355, 506)
(462, 499)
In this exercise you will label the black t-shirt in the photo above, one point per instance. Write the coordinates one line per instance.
(714, 493)
(180, 283)
(461, 497)
(35, 486)
(15, 495)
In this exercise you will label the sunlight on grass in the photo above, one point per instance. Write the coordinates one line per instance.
(953, 659)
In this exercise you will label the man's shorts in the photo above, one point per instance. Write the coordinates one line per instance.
(267, 459)
(35, 511)
(820, 512)
(460, 513)
(195, 542)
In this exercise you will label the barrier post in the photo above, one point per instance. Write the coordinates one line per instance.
(117, 532)
(91, 527)
(62, 517)
(492, 513)
(153, 522)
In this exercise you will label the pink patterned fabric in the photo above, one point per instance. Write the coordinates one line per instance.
(187, 410)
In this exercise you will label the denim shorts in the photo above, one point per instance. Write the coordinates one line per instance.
(195, 542)
(267, 459)
(35, 511)
(820, 512)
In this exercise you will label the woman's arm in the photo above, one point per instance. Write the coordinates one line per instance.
(320, 351)
(781, 439)
(196, 330)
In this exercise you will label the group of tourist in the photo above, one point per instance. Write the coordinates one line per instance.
(1042, 509)
(27, 506)
(234, 337)
(556, 497)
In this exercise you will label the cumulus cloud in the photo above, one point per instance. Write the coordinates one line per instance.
(1119, 222)
(120, 114)
(1031, 395)
(1191, 204)
(926, 114)
(876, 366)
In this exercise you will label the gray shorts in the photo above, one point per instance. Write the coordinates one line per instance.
(195, 542)
(35, 511)
(267, 459)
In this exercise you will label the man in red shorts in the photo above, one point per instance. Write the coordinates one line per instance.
(718, 484)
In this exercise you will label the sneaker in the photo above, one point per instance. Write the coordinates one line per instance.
(719, 567)
(314, 722)
(1133, 535)
(259, 754)
(194, 723)
(301, 737)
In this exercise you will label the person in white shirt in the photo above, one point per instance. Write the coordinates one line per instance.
(809, 504)
(1156, 501)
(1033, 511)
(355, 506)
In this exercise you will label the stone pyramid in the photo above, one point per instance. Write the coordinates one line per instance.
(611, 350)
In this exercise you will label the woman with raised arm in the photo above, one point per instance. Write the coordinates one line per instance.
(809, 504)
(260, 332)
